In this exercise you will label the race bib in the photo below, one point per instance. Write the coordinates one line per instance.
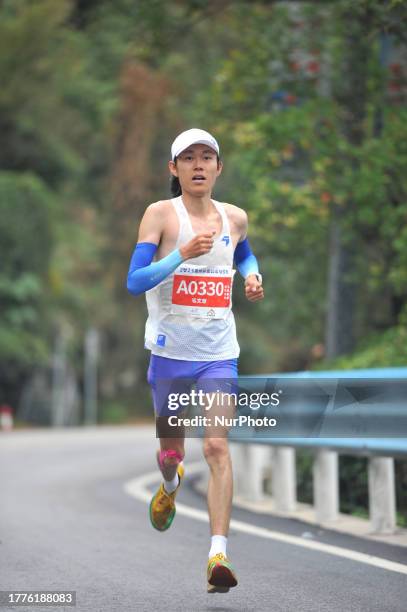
(202, 291)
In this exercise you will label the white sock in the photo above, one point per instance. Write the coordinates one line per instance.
(218, 545)
(171, 485)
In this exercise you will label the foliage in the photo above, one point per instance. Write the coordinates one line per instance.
(25, 235)
(386, 349)
(93, 93)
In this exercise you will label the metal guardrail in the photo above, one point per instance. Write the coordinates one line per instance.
(394, 447)
(254, 455)
(389, 373)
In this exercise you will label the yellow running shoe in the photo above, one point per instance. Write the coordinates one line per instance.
(162, 506)
(221, 575)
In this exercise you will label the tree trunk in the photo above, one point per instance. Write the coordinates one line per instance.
(351, 95)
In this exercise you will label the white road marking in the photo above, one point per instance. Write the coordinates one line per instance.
(138, 488)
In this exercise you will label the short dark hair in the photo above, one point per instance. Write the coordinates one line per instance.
(175, 186)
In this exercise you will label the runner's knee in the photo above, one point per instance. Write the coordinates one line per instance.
(215, 449)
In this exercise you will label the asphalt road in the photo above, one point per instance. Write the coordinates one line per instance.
(68, 523)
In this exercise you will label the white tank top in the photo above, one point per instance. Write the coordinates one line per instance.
(190, 312)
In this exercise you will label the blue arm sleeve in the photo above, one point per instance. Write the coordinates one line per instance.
(245, 261)
(144, 275)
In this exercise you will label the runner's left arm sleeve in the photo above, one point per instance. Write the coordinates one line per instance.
(144, 275)
(245, 261)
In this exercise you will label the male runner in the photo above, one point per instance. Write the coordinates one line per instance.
(190, 329)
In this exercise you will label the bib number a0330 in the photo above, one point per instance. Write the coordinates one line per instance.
(203, 294)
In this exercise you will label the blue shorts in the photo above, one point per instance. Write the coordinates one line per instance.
(175, 376)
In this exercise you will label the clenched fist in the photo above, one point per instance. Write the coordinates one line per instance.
(199, 245)
(253, 288)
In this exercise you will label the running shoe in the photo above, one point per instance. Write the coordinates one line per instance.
(162, 506)
(221, 575)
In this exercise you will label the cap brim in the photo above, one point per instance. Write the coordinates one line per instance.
(204, 142)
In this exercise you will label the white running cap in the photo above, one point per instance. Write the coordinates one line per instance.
(190, 137)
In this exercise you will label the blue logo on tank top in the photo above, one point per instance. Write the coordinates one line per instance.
(226, 240)
(160, 340)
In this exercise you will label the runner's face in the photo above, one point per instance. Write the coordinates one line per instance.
(197, 169)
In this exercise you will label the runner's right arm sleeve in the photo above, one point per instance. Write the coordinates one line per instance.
(144, 275)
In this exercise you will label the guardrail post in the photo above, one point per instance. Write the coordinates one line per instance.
(326, 485)
(258, 458)
(382, 494)
(283, 479)
(249, 462)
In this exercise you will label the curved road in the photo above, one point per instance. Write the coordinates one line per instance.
(74, 516)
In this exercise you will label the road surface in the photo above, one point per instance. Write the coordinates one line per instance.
(74, 516)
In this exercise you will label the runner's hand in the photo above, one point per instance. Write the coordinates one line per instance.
(199, 245)
(253, 289)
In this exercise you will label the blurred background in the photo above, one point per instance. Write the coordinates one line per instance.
(308, 102)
